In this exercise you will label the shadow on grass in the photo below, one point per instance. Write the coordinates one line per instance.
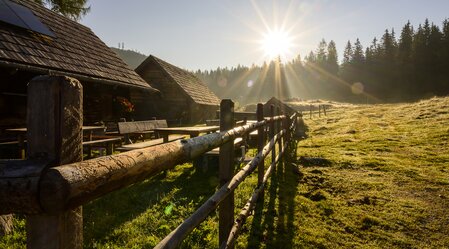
(273, 223)
(111, 211)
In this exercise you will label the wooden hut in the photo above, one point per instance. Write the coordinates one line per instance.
(277, 103)
(36, 41)
(185, 99)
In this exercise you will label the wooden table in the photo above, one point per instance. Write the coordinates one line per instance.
(21, 134)
(192, 131)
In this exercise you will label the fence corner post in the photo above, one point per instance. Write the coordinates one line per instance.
(54, 132)
(226, 172)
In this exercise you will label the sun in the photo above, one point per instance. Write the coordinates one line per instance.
(276, 43)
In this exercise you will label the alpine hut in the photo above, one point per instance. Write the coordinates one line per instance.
(37, 41)
(185, 99)
(284, 108)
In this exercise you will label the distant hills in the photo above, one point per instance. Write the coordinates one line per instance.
(132, 58)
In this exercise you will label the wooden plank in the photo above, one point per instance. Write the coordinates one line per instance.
(153, 142)
(226, 171)
(101, 141)
(139, 126)
(55, 118)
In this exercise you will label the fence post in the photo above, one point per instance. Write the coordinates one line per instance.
(226, 172)
(54, 120)
(319, 111)
(310, 111)
(272, 133)
(260, 145)
(279, 128)
(324, 110)
(287, 129)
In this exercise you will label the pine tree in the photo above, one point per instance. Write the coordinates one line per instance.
(405, 64)
(358, 58)
(348, 53)
(321, 54)
(73, 9)
(332, 58)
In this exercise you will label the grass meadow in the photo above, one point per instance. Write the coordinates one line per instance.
(378, 178)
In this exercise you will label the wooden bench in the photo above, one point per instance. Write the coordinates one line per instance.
(153, 142)
(140, 128)
(102, 141)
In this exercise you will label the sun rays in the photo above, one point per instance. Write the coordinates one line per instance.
(277, 31)
(276, 43)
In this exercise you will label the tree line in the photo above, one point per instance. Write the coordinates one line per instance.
(390, 69)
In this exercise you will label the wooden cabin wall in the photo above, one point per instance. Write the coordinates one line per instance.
(200, 113)
(100, 103)
(144, 104)
(174, 105)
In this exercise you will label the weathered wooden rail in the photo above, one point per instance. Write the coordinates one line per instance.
(53, 183)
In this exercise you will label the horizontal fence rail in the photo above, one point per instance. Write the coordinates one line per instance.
(177, 235)
(78, 183)
(52, 184)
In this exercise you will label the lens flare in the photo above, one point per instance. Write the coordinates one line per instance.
(357, 88)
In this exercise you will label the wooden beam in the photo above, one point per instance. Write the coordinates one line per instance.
(54, 119)
(226, 171)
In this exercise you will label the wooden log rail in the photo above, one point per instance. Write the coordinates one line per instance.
(52, 184)
(176, 236)
(67, 186)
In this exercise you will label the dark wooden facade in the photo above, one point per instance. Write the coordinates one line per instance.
(184, 99)
(74, 51)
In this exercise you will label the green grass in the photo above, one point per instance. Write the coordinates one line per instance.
(386, 185)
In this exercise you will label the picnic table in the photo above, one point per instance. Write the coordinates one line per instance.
(192, 131)
(21, 134)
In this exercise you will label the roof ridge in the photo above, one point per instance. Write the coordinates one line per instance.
(190, 83)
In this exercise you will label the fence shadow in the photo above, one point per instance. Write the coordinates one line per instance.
(104, 215)
(273, 223)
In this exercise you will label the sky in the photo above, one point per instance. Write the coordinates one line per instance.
(204, 35)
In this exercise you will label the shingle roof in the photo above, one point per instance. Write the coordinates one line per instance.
(193, 86)
(276, 102)
(75, 49)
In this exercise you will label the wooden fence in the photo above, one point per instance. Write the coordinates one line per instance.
(313, 110)
(51, 186)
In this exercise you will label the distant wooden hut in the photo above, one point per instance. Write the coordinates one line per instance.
(185, 99)
(277, 103)
(36, 41)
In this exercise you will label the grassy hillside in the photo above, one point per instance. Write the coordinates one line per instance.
(374, 176)
(385, 184)
(132, 58)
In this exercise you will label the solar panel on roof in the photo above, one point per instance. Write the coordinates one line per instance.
(23, 17)
(8, 16)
